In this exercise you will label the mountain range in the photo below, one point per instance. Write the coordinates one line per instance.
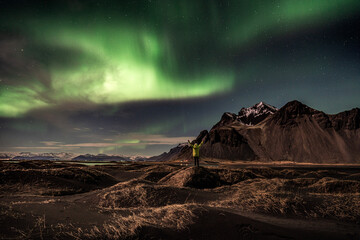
(295, 132)
(37, 156)
(63, 156)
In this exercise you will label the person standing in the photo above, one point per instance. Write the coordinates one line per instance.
(196, 154)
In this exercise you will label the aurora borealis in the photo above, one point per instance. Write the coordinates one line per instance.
(137, 77)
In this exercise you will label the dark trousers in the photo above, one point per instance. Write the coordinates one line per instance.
(196, 161)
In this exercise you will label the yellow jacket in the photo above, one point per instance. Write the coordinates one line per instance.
(196, 148)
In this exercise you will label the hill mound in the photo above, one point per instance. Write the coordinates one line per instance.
(142, 193)
(52, 180)
(193, 177)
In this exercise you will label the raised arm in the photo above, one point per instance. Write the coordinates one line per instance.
(190, 144)
(201, 143)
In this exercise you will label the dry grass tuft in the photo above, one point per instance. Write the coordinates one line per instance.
(130, 226)
(296, 197)
(141, 193)
(331, 185)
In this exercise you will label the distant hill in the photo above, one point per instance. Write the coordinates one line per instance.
(294, 132)
(100, 157)
(171, 155)
(67, 156)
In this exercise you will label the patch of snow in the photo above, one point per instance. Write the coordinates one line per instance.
(256, 111)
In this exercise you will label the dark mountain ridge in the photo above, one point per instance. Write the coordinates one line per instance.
(295, 132)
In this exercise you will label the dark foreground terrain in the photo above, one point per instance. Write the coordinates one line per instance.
(49, 200)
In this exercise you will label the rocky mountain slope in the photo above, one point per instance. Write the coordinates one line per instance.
(294, 132)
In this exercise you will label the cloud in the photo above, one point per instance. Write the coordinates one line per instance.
(132, 140)
(39, 148)
(90, 144)
(50, 143)
(161, 139)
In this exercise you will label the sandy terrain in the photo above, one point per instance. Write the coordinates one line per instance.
(48, 200)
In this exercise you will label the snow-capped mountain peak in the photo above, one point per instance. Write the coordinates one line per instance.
(248, 116)
(256, 113)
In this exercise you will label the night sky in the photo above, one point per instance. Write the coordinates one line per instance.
(139, 77)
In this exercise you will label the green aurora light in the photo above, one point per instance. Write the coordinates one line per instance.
(135, 58)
